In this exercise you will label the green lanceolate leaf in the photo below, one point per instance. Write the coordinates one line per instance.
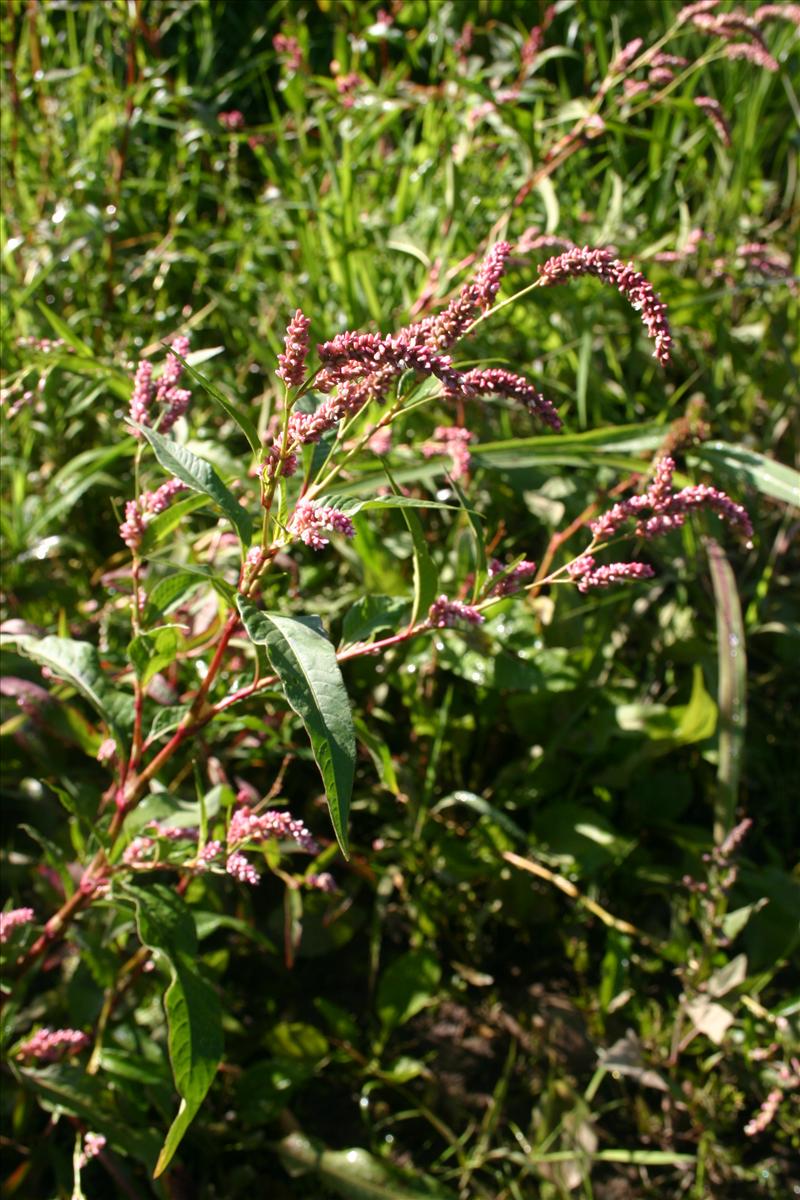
(352, 506)
(239, 418)
(355, 1173)
(78, 663)
(306, 663)
(731, 688)
(193, 1010)
(426, 577)
(199, 475)
(769, 477)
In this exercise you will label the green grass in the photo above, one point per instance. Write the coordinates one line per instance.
(484, 1030)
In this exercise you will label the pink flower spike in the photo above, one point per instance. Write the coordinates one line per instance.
(716, 116)
(49, 1045)
(512, 580)
(238, 866)
(444, 613)
(12, 920)
(295, 350)
(626, 279)
(495, 381)
(309, 519)
(780, 12)
(600, 577)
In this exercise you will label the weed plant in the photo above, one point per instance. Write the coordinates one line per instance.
(399, 762)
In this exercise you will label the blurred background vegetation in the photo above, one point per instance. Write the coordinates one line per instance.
(607, 1027)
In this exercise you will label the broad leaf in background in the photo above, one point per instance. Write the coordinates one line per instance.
(306, 662)
(355, 1173)
(194, 1016)
(78, 663)
(201, 477)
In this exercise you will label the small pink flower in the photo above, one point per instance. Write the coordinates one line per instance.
(107, 750)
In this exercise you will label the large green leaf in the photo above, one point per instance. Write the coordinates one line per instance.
(200, 476)
(769, 477)
(407, 986)
(306, 662)
(194, 1015)
(355, 1173)
(79, 664)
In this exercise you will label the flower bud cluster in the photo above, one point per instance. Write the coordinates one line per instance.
(247, 826)
(310, 519)
(93, 1143)
(588, 575)
(12, 920)
(716, 116)
(444, 613)
(163, 402)
(292, 362)
(509, 581)
(139, 513)
(49, 1045)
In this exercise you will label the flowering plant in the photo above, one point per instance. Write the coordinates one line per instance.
(260, 603)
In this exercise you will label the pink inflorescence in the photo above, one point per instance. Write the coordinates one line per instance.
(780, 12)
(765, 1114)
(752, 52)
(625, 57)
(247, 826)
(93, 1143)
(231, 120)
(660, 509)
(12, 920)
(716, 116)
(496, 381)
(241, 869)
(295, 350)
(290, 49)
(444, 613)
(625, 278)
(455, 442)
(305, 428)
(509, 581)
(442, 331)
(163, 402)
(139, 513)
(323, 882)
(310, 519)
(587, 574)
(48, 1045)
